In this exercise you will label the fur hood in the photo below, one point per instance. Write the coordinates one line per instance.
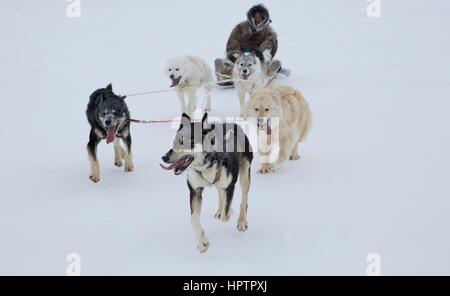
(247, 35)
(261, 10)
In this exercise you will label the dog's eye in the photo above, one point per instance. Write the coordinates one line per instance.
(242, 65)
(257, 109)
(249, 65)
(177, 69)
(267, 109)
(170, 70)
(180, 141)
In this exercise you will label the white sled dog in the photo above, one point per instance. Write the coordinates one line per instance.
(282, 114)
(188, 73)
(249, 74)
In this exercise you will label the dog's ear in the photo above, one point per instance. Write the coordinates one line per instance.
(109, 87)
(205, 121)
(185, 121)
(184, 116)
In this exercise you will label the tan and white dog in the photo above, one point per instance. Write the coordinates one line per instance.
(283, 117)
(188, 73)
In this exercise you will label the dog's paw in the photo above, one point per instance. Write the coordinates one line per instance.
(204, 245)
(275, 167)
(118, 163)
(129, 167)
(294, 156)
(218, 214)
(224, 217)
(94, 178)
(265, 168)
(242, 225)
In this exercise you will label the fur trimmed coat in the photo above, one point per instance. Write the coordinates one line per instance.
(244, 36)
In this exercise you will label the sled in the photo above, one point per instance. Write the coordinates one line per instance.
(228, 82)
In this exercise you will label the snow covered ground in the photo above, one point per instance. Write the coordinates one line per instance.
(374, 177)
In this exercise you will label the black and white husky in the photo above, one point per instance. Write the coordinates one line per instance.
(214, 155)
(109, 117)
(249, 74)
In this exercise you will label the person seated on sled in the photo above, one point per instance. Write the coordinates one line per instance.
(257, 33)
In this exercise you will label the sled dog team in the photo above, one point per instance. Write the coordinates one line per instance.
(214, 154)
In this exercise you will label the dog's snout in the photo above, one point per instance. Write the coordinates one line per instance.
(166, 157)
(245, 71)
(172, 76)
(107, 122)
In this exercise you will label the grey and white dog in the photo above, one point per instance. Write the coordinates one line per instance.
(249, 74)
(214, 154)
(108, 116)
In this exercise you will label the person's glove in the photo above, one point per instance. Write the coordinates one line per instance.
(267, 54)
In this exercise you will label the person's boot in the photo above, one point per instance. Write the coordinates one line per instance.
(273, 67)
(222, 73)
(284, 71)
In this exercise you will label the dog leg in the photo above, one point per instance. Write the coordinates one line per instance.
(244, 176)
(196, 205)
(128, 154)
(192, 101)
(265, 162)
(294, 153)
(286, 146)
(117, 153)
(227, 211)
(182, 103)
(241, 93)
(92, 155)
(222, 196)
(264, 149)
(208, 97)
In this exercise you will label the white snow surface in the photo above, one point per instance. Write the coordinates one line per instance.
(374, 173)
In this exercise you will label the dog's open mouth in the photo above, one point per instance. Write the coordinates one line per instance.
(175, 81)
(245, 76)
(264, 125)
(180, 165)
(111, 133)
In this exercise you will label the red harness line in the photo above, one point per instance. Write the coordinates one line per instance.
(164, 121)
(151, 121)
(157, 121)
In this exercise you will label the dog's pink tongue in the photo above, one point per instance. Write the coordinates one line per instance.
(174, 83)
(269, 130)
(111, 133)
(174, 165)
(170, 167)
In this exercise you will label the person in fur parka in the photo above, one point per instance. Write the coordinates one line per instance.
(254, 33)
